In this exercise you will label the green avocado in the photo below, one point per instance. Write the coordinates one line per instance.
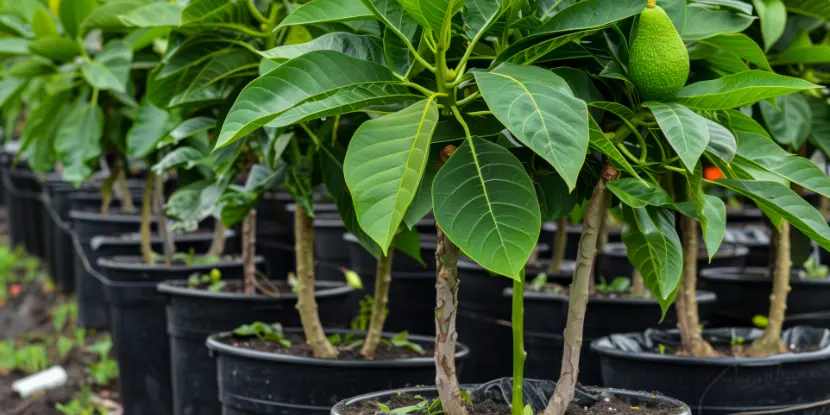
(658, 61)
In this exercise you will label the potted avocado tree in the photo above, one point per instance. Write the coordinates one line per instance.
(763, 172)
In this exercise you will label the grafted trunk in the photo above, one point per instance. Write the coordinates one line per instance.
(560, 243)
(127, 204)
(158, 206)
(217, 246)
(146, 214)
(446, 306)
(383, 279)
(688, 319)
(248, 252)
(579, 293)
(315, 336)
(770, 342)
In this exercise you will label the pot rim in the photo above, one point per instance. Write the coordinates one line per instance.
(90, 216)
(137, 265)
(739, 274)
(774, 360)
(618, 250)
(704, 296)
(423, 390)
(179, 288)
(214, 345)
(132, 238)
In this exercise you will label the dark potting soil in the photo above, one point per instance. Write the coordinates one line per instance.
(553, 288)
(616, 406)
(300, 348)
(274, 288)
(735, 350)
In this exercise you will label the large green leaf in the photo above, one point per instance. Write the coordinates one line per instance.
(685, 131)
(805, 55)
(37, 138)
(479, 15)
(741, 124)
(711, 212)
(384, 165)
(600, 142)
(9, 88)
(432, 14)
(369, 48)
(188, 128)
(193, 203)
(533, 49)
(639, 193)
(150, 126)
(394, 18)
(768, 155)
(653, 247)
(108, 16)
(185, 157)
(538, 107)
(154, 15)
(294, 82)
(590, 14)
(821, 124)
(779, 199)
(110, 70)
(486, 204)
(740, 89)
(205, 13)
(58, 49)
(740, 46)
(43, 25)
(209, 75)
(789, 124)
(722, 142)
(14, 46)
(73, 13)
(323, 11)
(773, 15)
(703, 22)
(192, 52)
(817, 9)
(78, 140)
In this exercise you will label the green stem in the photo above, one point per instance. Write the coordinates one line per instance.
(627, 153)
(675, 169)
(469, 99)
(461, 121)
(255, 12)
(519, 354)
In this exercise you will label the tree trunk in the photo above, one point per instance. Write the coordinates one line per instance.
(446, 306)
(824, 206)
(106, 191)
(127, 204)
(217, 246)
(688, 319)
(315, 336)
(146, 213)
(158, 206)
(248, 252)
(560, 242)
(770, 342)
(579, 292)
(383, 278)
(638, 286)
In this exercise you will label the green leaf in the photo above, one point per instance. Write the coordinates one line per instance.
(703, 22)
(653, 247)
(186, 157)
(14, 46)
(739, 90)
(782, 201)
(394, 18)
(187, 129)
(422, 202)
(685, 131)
(198, 83)
(192, 52)
(203, 13)
(58, 49)
(279, 90)
(479, 15)
(194, 202)
(43, 25)
(365, 47)
(73, 13)
(262, 178)
(107, 16)
(110, 70)
(740, 46)
(600, 142)
(722, 143)
(768, 155)
(590, 14)
(486, 204)
(817, 9)
(744, 124)
(150, 126)
(821, 124)
(538, 107)
(639, 193)
(810, 54)
(711, 212)
(384, 165)
(432, 14)
(773, 15)
(532, 49)
(408, 241)
(326, 11)
(154, 15)
(555, 200)
(37, 138)
(789, 124)
(9, 88)
(617, 109)
(78, 140)
(397, 55)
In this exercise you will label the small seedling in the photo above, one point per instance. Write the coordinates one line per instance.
(760, 321)
(105, 370)
(618, 285)
(292, 282)
(66, 312)
(661, 348)
(213, 279)
(31, 358)
(191, 258)
(65, 345)
(814, 271)
(267, 332)
(737, 341)
(352, 279)
(539, 282)
(81, 405)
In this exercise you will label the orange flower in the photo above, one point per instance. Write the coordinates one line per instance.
(713, 173)
(15, 289)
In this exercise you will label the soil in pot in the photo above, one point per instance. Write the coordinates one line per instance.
(139, 325)
(257, 382)
(722, 385)
(490, 399)
(194, 313)
(743, 293)
(546, 312)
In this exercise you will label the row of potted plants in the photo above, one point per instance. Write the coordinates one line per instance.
(475, 122)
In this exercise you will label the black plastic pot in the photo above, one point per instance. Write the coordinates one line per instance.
(549, 230)
(749, 215)
(637, 398)
(614, 262)
(93, 311)
(744, 293)
(25, 209)
(546, 315)
(253, 382)
(275, 242)
(139, 324)
(61, 252)
(193, 315)
(720, 386)
(756, 238)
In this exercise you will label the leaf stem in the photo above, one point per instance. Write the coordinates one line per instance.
(479, 113)
(519, 353)
(675, 169)
(627, 153)
(421, 89)
(469, 99)
(462, 122)
(256, 13)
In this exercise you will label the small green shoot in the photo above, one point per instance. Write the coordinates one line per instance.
(65, 345)
(539, 281)
(213, 280)
(760, 321)
(81, 405)
(66, 312)
(191, 258)
(737, 341)
(661, 348)
(293, 282)
(266, 332)
(352, 279)
(618, 285)
(401, 340)
(105, 370)
(814, 271)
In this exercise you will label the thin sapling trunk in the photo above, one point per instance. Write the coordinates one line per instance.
(127, 203)
(146, 214)
(217, 246)
(158, 206)
(770, 342)
(638, 285)
(446, 308)
(519, 353)
(248, 252)
(383, 278)
(106, 191)
(688, 319)
(579, 292)
(315, 336)
(560, 242)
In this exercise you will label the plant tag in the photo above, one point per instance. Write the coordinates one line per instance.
(51, 378)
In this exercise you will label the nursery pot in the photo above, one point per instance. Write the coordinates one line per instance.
(499, 391)
(546, 315)
(139, 324)
(748, 215)
(254, 382)
(722, 385)
(23, 189)
(549, 230)
(613, 262)
(744, 293)
(194, 314)
(62, 253)
(275, 242)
